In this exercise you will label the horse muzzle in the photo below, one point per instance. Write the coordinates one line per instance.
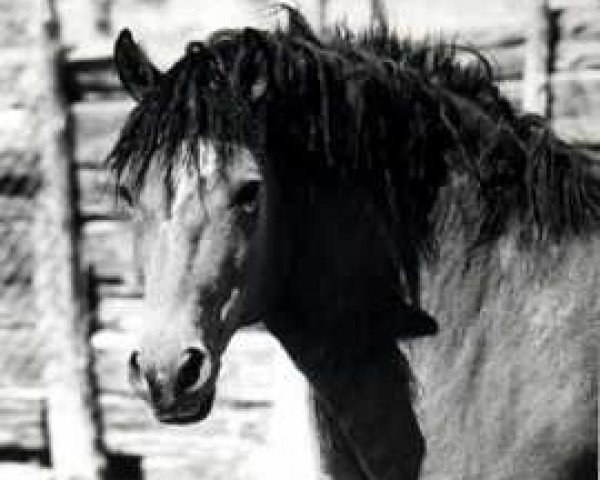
(182, 394)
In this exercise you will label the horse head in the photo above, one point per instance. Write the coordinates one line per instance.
(196, 216)
(244, 217)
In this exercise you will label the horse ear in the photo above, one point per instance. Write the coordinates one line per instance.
(298, 27)
(138, 75)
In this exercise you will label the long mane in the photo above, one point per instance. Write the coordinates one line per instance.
(410, 121)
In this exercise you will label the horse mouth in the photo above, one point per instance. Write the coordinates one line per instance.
(189, 413)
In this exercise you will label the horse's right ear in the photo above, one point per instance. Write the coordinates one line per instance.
(138, 75)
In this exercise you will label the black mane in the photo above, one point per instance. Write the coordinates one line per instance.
(409, 119)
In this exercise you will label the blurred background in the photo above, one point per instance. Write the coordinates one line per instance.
(70, 288)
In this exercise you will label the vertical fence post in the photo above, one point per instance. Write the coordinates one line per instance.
(536, 78)
(63, 324)
(322, 12)
(102, 16)
(378, 14)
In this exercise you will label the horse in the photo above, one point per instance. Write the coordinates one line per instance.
(423, 251)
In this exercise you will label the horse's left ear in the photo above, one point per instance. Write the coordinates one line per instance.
(298, 27)
(138, 75)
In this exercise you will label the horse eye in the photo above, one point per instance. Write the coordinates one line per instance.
(246, 196)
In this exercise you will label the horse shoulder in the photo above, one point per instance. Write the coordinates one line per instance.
(507, 389)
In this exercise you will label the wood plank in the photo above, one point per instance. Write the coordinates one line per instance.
(580, 23)
(17, 163)
(22, 471)
(576, 106)
(16, 130)
(74, 450)
(95, 78)
(75, 453)
(16, 269)
(16, 315)
(125, 314)
(98, 124)
(21, 419)
(581, 130)
(246, 367)
(503, 45)
(16, 25)
(576, 93)
(108, 246)
(16, 76)
(503, 35)
(117, 288)
(111, 357)
(579, 45)
(16, 208)
(577, 55)
(233, 462)
(23, 357)
(16, 250)
(22, 184)
(538, 59)
(566, 4)
(17, 306)
(507, 63)
(97, 196)
(120, 314)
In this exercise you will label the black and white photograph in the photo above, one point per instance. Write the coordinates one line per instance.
(299, 240)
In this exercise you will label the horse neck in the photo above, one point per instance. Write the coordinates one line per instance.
(341, 257)
(336, 269)
(458, 276)
(339, 269)
(473, 272)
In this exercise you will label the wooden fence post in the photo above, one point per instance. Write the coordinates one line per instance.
(322, 12)
(536, 78)
(63, 324)
(378, 14)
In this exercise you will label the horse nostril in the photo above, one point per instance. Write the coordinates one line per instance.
(135, 370)
(189, 369)
(136, 377)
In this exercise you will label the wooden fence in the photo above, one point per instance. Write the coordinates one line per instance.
(52, 329)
